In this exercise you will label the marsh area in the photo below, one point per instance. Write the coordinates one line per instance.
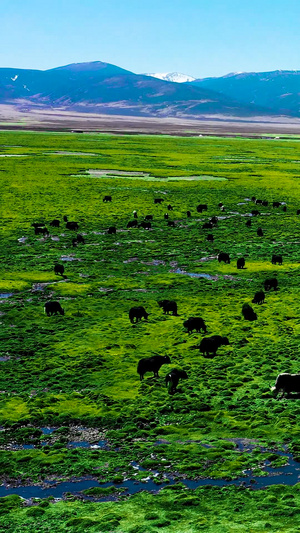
(72, 406)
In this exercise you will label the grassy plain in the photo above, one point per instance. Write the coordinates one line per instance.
(80, 368)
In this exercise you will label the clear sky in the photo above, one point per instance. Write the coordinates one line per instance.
(197, 37)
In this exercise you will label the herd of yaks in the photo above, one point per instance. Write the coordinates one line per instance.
(209, 345)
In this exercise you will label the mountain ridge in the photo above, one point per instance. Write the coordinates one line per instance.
(278, 90)
(99, 86)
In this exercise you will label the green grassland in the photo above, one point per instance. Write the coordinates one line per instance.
(80, 368)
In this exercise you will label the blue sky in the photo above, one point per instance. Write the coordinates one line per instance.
(197, 37)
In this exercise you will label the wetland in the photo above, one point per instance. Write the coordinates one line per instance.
(84, 444)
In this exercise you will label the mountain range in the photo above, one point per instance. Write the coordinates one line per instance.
(106, 88)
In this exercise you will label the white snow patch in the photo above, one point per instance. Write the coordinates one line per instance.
(176, 77)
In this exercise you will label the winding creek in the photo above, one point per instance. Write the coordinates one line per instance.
(288, 474)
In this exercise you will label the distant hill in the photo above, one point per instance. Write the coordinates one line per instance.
(175, 77)
(105, 88)
(278, 91)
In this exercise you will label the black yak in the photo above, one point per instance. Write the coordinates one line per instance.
(132, 224)
(224, 257)
(168, 306)
(59, 269)
(248, 312)
(201, 207)
(53, 308)
(259, 297)
(196, 323)
(276, 259)
(152, 364)
(287, 383)
(55, 223)
(72, 225)
(41, 231)
(240, 263)
(145, 225)
(137, 313)
(209, 345)
(271, 283)
(173, 377)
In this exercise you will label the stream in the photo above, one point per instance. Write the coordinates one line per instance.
(288, 474)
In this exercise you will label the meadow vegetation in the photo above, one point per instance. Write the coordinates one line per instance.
(79, 370)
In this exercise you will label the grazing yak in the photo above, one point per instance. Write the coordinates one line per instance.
(298, 212)
(265, 203)
(135, 215)
(72, 226)
(145, 225)
(169, 207)
(224, 257)
(276, 204)
(249, 223)
(171, 224)
(259, 297)
(196, 323)
(258, 201)
(188, 214)
(137, 313)
(214, 220)
(209, 345)
(260, 232)
(158, 200)
(253, 198)
(41, 231)
(107, 199)
(255, 212)
(271, 283)
(152, 364)
(220, 204)
(240, 263)
(166, 216)
(80, 238)
(207, 225)
(248, 312)
(210, 237)
(55, 223)
(287, 383)
(59, 269)
(149, 217)
(132, 224)
(173, 377)
(111, 230)
(65, 218)
(201, 207)
(53, 308)
(168, 306)
(276, 259)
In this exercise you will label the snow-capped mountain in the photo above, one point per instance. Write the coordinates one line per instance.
(176, 77)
